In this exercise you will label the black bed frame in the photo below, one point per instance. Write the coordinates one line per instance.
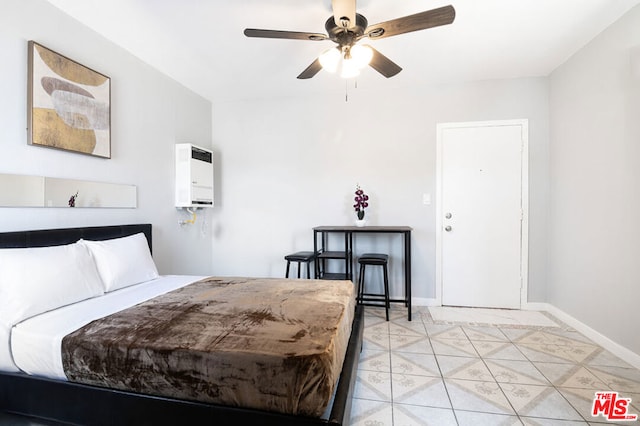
(89, 405)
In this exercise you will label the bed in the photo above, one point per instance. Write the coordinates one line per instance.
(222, 354)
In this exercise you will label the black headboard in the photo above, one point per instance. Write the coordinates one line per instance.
(57, 237)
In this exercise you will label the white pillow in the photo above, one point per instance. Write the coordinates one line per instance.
(123, 262)
(36, 280)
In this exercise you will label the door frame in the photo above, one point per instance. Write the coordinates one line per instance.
(524, 228)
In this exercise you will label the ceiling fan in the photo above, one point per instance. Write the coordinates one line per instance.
(347, 28)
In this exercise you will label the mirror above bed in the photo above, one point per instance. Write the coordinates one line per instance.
(40, 191)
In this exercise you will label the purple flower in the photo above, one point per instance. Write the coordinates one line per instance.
(361, 202)
(72, 200)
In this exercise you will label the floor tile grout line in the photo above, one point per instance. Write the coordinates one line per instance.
(444, 384)
(446, 389)
(391, 377)
(500, 387)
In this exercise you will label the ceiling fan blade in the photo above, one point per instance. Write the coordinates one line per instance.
(344, 9)
(292, 35)
(383, 65)
(420, 21)
(311, 70)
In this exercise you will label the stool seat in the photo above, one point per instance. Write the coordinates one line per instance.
(364, 298)
(300, 257)
(373, 259)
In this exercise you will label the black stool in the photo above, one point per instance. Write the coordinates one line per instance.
(379, 260)
(300, 257)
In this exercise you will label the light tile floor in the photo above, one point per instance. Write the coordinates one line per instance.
(426, 372)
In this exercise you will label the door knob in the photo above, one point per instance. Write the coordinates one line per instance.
(447, 228)
(448, 215)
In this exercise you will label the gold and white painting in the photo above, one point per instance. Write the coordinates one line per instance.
(68, 104)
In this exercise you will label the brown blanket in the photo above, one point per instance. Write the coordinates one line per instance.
(266, 343)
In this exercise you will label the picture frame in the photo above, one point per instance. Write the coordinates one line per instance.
(68, 104)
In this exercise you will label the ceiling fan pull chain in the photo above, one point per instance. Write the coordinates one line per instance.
(346, 90)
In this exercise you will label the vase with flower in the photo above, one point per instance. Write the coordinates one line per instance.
(361, 202)
(72, 199)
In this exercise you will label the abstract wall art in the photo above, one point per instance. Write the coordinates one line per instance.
(69, 105)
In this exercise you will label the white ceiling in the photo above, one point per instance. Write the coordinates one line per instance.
(201, 44)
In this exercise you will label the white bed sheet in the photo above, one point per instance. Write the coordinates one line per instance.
(36, 343)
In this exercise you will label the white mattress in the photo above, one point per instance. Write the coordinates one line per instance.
(36, 343)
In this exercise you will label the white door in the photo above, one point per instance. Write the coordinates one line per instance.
(481, 238)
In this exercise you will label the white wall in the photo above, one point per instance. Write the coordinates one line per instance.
(150, 113)
(287, 165)
(594, 238)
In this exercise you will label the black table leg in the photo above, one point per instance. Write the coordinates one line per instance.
(407, 271)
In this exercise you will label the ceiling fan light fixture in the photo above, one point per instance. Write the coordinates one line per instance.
(330, 59)
(349, 68)
(345, 61)
(361, 55)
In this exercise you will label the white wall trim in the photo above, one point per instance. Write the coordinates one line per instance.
(602, 340)
(425, 301)
(608, 344)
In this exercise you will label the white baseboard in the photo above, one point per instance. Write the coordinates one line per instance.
(424, 301)
(608, 344)
(620, 351)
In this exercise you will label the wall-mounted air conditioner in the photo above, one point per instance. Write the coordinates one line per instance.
(194, 176)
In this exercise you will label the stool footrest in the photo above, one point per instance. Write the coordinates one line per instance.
(372, 295)
(370, 299)
(374, 305)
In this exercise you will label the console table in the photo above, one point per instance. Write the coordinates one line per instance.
(320, 234)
